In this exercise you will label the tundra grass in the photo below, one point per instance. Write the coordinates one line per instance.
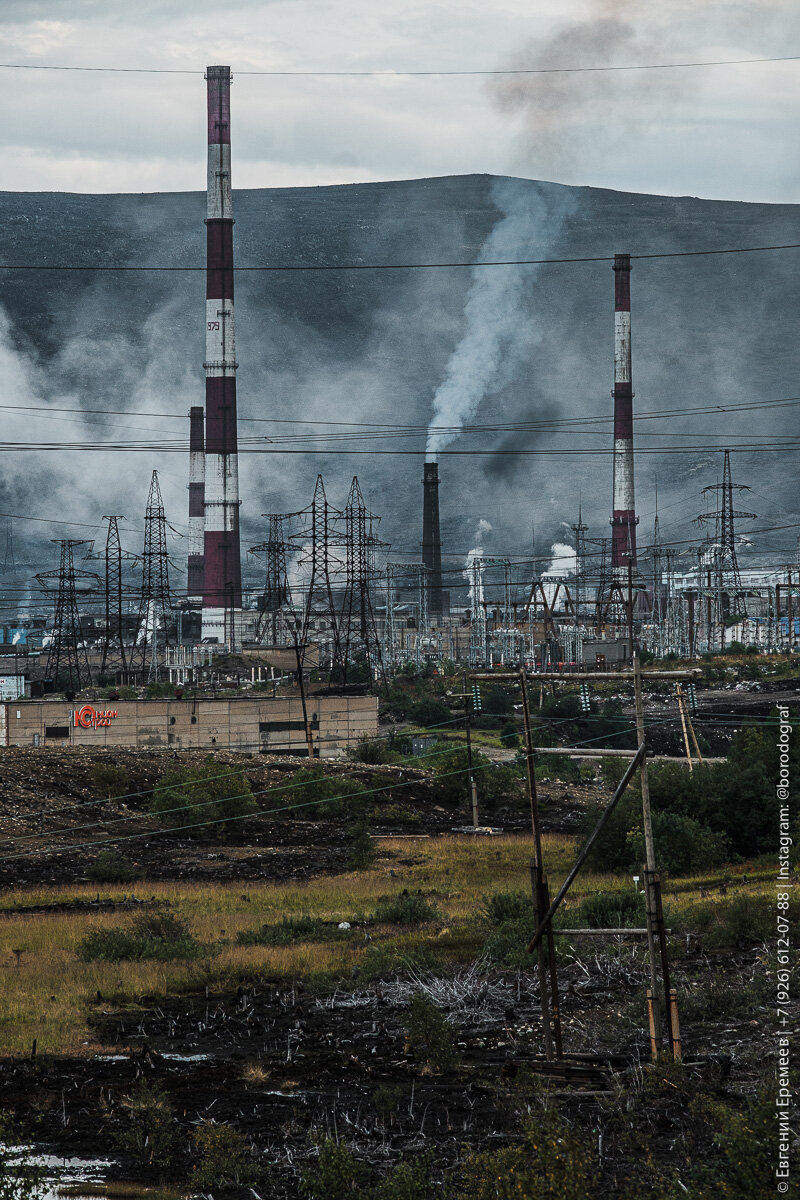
(47, 993)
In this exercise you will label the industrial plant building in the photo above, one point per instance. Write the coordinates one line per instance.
(333, 724)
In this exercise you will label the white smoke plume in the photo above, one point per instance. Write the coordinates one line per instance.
(563, 560)
(496, 333)
(476, 582)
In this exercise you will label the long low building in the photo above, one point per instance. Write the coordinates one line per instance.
(263, 725)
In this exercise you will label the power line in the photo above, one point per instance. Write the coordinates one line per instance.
(420, 266)
(389, 74)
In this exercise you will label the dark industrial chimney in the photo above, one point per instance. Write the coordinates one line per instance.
(431, 540)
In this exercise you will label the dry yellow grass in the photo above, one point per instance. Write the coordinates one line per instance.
(50, 993)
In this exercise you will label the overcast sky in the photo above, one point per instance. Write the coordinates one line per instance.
(727, 131)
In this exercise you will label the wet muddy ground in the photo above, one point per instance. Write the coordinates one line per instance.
(286, 1066)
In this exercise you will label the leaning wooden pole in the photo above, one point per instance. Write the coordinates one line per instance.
(584, 854)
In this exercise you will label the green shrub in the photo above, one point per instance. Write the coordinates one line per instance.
(362, 848)
(428, 713)
(335, 1176)
(386, 961)
(498, 907)
(109, 780)
(429, 1037)
(151, 935)
(494, 781)
(507, 946)
(613, 910)
(558, 766)
(385, 1100)
(509, 736)
(551, 1163)
(407, 908)
(291, 930)
(409, 1181)
(745, 1141)
(225, 1157)
(375, 752)
(322, 795)
(151, 1134)
(722, 996)
(745, 920)
(110, 867)
(195, 796)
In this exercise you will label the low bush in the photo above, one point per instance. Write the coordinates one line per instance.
(428, 1036)
(291, 930)
(386, 961)
(362, 848)
(337, 1175)
(723, 996)
(495, 781)
(410, 1181)
(613, 910)
(407, 908)
(322, 795)
(744, 920)
(151, 935)
(225, 1157)
(111, 867)
(375, 752)
(109, 780)
(196, 798)
(558, 766)
(507, 945)
(498, 907)
(150, 1134)
(430, 713)
(551, 1163)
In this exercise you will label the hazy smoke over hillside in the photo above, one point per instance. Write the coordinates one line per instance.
(496, 312)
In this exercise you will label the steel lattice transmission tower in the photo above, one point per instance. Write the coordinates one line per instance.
(358, 628)
(67, 653)
(276, 596)
(723, 563)
(323, 537)
(156, 601)
(114, 659)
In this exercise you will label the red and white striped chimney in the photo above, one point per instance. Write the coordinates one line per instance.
(222, 579)
(624, 519)
(197, 473)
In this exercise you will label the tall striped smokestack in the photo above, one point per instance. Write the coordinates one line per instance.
(197, 474)
(624, 519)
(222, 573)
(431, 540)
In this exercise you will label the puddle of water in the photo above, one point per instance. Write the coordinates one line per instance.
(187, 1058)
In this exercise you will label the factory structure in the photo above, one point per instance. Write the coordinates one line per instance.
(352, 613)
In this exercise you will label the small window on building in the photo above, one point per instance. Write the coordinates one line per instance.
(172, 720)
(36, 739)
(56, 731)
(194, 720)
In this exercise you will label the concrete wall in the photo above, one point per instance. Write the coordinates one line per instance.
(256, 725)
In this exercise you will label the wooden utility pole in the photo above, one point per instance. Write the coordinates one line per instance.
(546, 955)
(647, 824)
(473, 787)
